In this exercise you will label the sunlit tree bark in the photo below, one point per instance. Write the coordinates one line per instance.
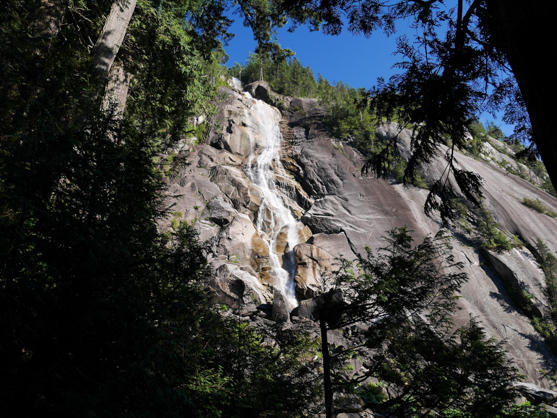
(112, 35)
(105, 52)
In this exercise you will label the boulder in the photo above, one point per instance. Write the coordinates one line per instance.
(311, 308)
(367, 413)
(313, 265)
(219, 212)
(307, 106)
(237, 288)
(260, 90)
(308, 308)
(348, 402)
(280, 313)
(536, 394)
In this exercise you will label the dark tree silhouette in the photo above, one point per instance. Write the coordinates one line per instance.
(407, 294)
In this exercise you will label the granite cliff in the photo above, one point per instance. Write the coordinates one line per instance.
(336, 212)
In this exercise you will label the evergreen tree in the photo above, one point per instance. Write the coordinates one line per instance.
(101, 313)
(408, 294)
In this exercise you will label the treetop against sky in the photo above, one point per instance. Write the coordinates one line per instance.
(352, 59)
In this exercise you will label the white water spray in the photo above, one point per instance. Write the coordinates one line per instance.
(237, 84)
(275, 222)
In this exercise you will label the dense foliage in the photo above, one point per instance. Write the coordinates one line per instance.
(407, 293)
(102, 314)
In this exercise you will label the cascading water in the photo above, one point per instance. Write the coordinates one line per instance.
(275, 223)
(237, 84)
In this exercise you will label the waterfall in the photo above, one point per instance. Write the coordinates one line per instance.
(237, 84)
(275, 222)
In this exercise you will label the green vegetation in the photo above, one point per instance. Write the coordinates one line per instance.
(441, 87)
(548, 263)
(347, 118)
(102, 314)
(372, 393)
(536, 204)
(493, 237)
(409, 295)
(494, 131)
(285, 74)
(529, 162)
(547, 326)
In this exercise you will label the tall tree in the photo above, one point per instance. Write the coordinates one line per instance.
(112, 35)
(87, 282)
(408, 295)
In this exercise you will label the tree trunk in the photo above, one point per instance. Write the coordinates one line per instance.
(112, 35)
(116, 94)
(326, 368)
(524, 32)
(105, 51)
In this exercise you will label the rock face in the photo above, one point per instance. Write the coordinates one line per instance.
(340, 213)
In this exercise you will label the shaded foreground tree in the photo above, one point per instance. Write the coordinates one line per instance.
(407, 295)
(102, 314)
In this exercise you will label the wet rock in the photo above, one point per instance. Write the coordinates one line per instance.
(281, 312)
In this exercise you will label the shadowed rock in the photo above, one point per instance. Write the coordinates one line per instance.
(281, 312)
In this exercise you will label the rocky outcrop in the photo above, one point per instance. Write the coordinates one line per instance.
(537, 395)
(342, 213)
(523, 277)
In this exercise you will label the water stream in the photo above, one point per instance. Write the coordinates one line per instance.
(275, 222)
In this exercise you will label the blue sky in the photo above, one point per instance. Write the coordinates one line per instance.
(355, 60)
(352, 59)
